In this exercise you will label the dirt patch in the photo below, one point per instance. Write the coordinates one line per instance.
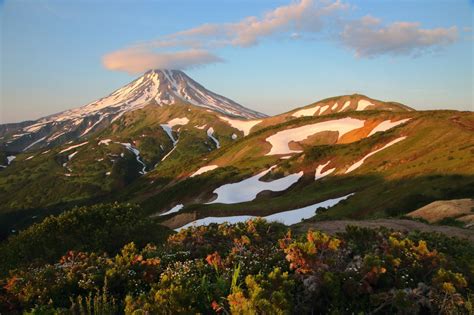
(441, 209)
(357, 134)
(180, 220)
(336, 226)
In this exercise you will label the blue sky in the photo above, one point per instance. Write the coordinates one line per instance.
(58, 55)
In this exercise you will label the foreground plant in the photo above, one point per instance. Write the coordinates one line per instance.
(255, 268)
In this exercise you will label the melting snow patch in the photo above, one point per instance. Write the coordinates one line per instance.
(286, 217)
(242, 125)
(281, 139)
(178, 121)
(363, 104)
(135, 151)
(10, 158)
(32, 144)
(386, 125)
(346, 105)
(73, 147)
(169, 132)
(297, 215)
(169, 153)
(247, 189)
(320, 174)
(204, 169)
(173, 210)
(323, 109)
(105, 141)
(306, 112)
(70, 156)
(210, 134)
(168, 127)
(360, 162)
(218, 220)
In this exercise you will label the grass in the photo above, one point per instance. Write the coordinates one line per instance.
(433, 162)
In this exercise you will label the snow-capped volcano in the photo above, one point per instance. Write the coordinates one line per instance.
(155, 87)
(166, 87)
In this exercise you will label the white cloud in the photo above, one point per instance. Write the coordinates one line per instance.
(368, 37)
(135, 60)
(194, 44)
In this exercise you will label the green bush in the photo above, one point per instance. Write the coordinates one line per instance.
(256, 268)
(103, 228)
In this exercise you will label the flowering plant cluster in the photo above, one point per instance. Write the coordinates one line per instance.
(255, 268)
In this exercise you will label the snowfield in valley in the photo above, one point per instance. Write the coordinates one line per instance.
(286, 217)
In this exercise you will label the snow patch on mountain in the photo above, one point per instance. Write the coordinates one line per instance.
(10, 158)
(136, 152)
(204, 169)
(242, 125)
(286, 217)
(319, 171)
(168, 127)
(297, 215)
(280, 140)
(323, 109)
(210, 134)
(361, 161)
(306, 111)
(386, 125)
(105, 141)
(248, 189)
(363, 104)
(73, 147)
(173, 210)
(346, 105)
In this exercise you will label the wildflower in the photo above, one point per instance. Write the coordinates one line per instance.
(214, 260)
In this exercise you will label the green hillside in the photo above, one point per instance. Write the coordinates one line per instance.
(432, 161)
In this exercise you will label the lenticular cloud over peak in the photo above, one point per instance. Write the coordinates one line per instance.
(135, 60)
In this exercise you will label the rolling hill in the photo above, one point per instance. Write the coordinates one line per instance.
(206, 159)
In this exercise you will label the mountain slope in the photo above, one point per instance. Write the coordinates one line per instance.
(155, 87)
(188, 159)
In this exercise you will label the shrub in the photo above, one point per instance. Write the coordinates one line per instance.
(255, 268)
(103, 228)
